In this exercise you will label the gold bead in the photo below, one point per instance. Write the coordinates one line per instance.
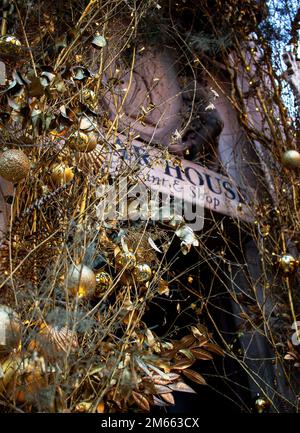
(83, 142)
(287, 264)
(81, 281)
(126, 259)
(104, 281)
(61, 173)
(142, 272)
(10, 330)
(14, 165)
(291, 159)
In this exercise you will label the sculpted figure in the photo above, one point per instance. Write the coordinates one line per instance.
(150, 100)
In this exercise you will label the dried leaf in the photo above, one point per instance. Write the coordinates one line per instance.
(168, 397)
(158, 402)
(201, 354)
(215, 349)
(163, 288)
(194, 376)
(184, 342)
(187, 353)
(141, 401)
(181, 387)
(161, 389)
(181, 365)
(199, 333)
(153, 245)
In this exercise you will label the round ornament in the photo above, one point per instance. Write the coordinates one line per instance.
(291, 159)
(10, 45)
(126, 259)
(14, 165)
(142, 273)
(61, 173)
(83, 142)
(81, 281)
(104, 281)
(287, 264)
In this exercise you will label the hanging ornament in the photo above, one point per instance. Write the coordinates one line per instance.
(261, 404)
(291, 159)
(287, 264)
(83, 142)
(61, 173)
(14, 165)
(125, 259)
(142, 272)
(104, 281)
(10, 330)
(9, 45)
(81, 281)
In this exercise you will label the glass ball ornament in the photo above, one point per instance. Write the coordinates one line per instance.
(81, 281)
(142, 273)
(83, 142)
(287, 264)
(125, 259)
(291, 159)
(104, 281)
(61, 173)
(10, 331)
(14, 165)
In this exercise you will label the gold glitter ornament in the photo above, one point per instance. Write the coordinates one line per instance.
(10, 45)
(104, 281)
(61, 173)
(83, 142)
(142, 273)
(126, 259)
(14, 165)
(291, 159)
(287, 264)
(10, 331)
(81, 281)
(261, 404)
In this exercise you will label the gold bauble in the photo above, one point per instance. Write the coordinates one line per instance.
(9, 45)
(61, 173)
(291, 159)
(104, 281)
(10, 331)
(287, 264)
(261, 404)
(83, 142)
(126, 259)
(142, 273)
(81, 281)
(14, 165)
